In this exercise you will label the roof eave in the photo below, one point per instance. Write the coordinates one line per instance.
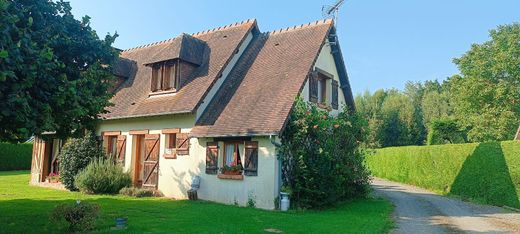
(148, 115)
(235, 134)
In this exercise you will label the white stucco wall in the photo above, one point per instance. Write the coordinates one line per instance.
(325, 62)
(263, 188)
(175, 175)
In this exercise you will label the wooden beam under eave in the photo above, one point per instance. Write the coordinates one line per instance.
(171, 130)
(139, 132)
(111, 133)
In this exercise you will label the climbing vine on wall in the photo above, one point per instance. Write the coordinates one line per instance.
(322, 161)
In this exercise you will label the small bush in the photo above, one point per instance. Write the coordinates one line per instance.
(77, 217)
(102, 176)
(15, 156)
(136, 192)
(445, 131)
(75, 156)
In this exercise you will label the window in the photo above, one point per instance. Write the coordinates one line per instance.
(322, 94)
(211, 157)
(170, 147)
(112, 146)
(323, 89)
(165, 76)
(232, 155)
(320, 88)
(115, 146)
(251, 158)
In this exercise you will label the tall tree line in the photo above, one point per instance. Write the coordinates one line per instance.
(482, 102)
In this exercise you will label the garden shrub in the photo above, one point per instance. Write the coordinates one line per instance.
(445, 131)
(15, 156)
(322, 162)
(76, 217)
(75, 156)
(102, 176)
(136, 192)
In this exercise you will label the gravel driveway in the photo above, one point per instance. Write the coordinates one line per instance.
(421, 211)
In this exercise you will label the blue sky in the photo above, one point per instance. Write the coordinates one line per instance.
(385, 42)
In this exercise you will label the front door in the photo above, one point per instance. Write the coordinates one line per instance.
(147, 160)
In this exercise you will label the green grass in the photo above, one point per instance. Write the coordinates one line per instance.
(15, 156)
(25, 209)
(483, 172)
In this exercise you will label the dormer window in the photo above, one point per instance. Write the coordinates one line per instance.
(165, 76)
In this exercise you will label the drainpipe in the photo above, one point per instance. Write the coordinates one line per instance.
(276, 144)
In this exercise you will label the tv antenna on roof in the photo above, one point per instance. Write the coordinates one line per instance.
(331, 12)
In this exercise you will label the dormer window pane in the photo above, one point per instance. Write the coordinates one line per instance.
(165, 76)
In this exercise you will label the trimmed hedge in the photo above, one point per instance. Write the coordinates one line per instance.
(15, 156)
(484, 172)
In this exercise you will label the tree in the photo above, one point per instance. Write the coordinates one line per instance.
(54, 70)
(435, 105)
(486, 95)
(445, 131)
(415, 92)
(369, 107)
(398, 118)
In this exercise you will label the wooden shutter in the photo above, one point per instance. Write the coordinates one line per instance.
(155, 77)
(183, 144)
(251, 157)
(211, 158)
(334, 101)
(121, 149)
(105, 144)
(313, 87)
(166, 77)
(151, 161)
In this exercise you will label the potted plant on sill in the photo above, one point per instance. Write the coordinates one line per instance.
(234, 169)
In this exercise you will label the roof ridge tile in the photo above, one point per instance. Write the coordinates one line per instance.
(193, 34)
(295, 27)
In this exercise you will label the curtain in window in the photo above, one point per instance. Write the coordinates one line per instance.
(230, 149)
(239, 159)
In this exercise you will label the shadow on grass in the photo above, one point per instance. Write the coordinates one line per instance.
(485, 177)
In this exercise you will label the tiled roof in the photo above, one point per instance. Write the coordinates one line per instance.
(131, 99)
(261, 89)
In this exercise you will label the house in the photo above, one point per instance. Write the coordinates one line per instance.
(190, 105)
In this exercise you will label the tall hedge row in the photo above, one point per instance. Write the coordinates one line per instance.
(485, 172)
(15, 156)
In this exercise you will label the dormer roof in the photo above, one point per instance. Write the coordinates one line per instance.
(184, 47)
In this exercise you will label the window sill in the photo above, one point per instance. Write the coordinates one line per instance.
(162, 93)
(325, 106)
(170, 156)
(230, 177)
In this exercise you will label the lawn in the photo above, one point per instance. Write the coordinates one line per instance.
(25, 209)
